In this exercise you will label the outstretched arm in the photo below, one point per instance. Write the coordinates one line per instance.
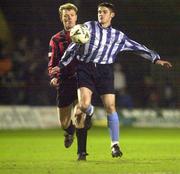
(144, 52)
(139, 49)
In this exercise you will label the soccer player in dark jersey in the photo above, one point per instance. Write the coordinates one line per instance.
(66, 82)
(95, 67)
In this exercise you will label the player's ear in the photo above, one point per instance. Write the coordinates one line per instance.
(112, 14)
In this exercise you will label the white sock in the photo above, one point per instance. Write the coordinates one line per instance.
(113, 143)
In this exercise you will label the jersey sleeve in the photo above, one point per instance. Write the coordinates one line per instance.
(69, 55)
(139, 49)
(88, 24)
(52, 57)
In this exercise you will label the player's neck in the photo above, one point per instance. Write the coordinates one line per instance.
(67, 28)
(106, 25)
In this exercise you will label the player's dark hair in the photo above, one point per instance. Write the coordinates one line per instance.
(108, 5)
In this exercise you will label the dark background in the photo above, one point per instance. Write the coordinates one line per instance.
(154, 23)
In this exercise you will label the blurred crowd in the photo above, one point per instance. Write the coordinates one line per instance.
(151, 96)
(24, 80)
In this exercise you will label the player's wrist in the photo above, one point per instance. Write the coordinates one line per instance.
(156, 61)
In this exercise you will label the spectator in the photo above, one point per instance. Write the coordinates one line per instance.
(151, 94)
(169, 95)
(123, 99)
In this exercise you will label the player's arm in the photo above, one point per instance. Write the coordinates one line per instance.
(143, 51)
(52, 63)
(67, 57)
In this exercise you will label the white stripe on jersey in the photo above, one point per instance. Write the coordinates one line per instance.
(117, 37)
(102, 44)
(96, 34)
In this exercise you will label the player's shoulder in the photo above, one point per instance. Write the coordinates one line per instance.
(90, 23)
(114, 30)
(58, 36)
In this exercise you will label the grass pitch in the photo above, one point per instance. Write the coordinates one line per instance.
(146, 151)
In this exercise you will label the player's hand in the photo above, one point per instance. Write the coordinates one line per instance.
(55, 70)
(164, 63)
(54, 82)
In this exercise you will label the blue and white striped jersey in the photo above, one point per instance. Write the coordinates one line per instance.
(103, 47)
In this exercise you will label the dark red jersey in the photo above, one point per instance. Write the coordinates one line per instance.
(57, 46)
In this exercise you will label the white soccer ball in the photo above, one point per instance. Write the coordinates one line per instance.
(80, 34)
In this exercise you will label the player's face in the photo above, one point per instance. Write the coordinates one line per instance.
(105, 16)
(68, 18)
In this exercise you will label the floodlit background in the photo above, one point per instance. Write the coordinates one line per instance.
(27, 25)
(148, 96)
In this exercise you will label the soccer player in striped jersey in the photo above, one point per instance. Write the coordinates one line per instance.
(95, 67)
(66, 82)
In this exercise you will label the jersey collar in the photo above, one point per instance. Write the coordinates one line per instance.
(108, 28)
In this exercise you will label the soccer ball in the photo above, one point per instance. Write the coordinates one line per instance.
(80, 34)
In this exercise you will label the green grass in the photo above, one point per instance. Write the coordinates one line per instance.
(146, 151)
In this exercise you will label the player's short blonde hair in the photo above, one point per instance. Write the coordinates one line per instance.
(67, 6)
